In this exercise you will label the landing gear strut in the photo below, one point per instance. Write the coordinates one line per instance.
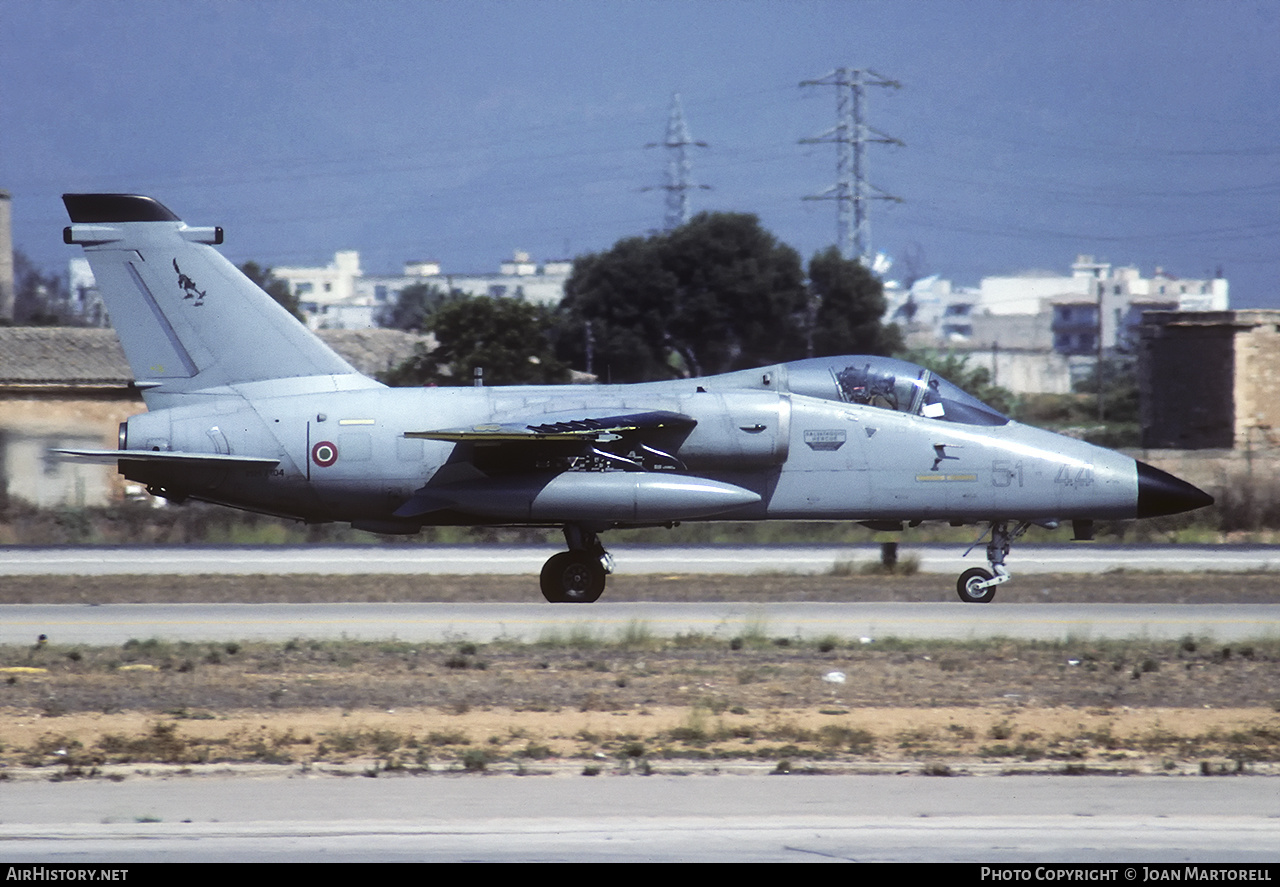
(978, 586)
(577, 576)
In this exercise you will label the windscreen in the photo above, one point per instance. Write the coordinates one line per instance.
(889, 384)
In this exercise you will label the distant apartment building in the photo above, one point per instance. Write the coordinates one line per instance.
(1122, 296)
(327, 296)
(929, 307)
(1045, 326)
(341, 296)
(1098, 299)
(84, 300)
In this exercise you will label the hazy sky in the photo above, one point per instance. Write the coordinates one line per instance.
(1144, 133)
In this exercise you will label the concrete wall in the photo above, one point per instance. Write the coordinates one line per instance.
(1245, 482)
(1023, 371)
(1257, 380)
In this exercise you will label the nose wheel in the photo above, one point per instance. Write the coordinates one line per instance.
(978, 586)
(576, 576)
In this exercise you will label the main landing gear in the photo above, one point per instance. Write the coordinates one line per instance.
(978, 586)
(577, 576)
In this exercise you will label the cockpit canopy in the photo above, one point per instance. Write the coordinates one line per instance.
(889, 384)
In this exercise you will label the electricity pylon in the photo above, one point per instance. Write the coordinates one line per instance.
(851, 134)
(679, 167)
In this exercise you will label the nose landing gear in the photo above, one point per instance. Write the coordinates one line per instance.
(978, 586)
(577, 576)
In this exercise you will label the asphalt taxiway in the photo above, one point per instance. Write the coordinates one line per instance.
(1025, 819)
(437, 560)
(110, 624)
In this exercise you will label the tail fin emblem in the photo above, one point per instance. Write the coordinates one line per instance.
(188, 286)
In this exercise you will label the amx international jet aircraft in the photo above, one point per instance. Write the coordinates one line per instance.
(247, 408)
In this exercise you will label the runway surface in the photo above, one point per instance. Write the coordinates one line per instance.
(646, 819)
(110, 624)
(758, 818)
(117, 623)
(634, 560)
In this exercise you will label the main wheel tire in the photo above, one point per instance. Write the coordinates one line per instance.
(573, 577)
(968, 586)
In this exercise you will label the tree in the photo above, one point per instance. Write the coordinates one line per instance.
(849, 304)
(1120, 401)
(274, 287)
(1118, 410)
(717, 294)
(413, 307)
(507, 337)
(612, 318)
(39, 299)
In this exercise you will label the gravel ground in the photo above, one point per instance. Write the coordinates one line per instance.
(646, 702)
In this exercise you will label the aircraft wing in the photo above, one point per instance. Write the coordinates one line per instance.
(565, 428)
(211, 459)
(631, 441)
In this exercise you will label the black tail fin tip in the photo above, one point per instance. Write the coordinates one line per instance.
(92, 209)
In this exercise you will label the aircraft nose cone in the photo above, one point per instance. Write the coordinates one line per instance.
(1161, 493)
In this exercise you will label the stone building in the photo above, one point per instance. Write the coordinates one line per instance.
(1210, 380)
(1043, 331)
(60, 387)
(71, 387)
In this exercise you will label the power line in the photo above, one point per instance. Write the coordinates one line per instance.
(852, 135)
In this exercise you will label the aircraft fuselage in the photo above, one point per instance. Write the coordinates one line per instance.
(249, 409)
(343, 456)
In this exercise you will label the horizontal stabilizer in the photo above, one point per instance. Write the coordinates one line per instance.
(164, 456)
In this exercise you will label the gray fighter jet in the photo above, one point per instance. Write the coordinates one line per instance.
(246, 408)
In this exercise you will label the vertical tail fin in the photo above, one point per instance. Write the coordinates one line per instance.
(188, 319)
